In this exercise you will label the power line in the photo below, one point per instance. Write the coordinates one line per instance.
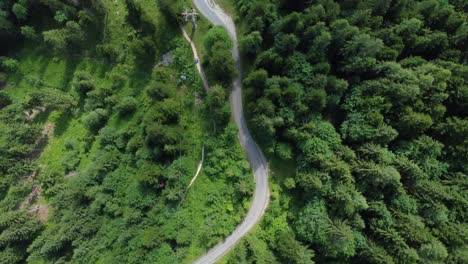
(191, 15)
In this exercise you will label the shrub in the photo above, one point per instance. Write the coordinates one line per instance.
(8, 64)
(4, 100)
(20, 11)
(29, 33)
(217, 35)
(127, 106)
(95, 119)
(107, 136)
(158, 90)
(83, 82)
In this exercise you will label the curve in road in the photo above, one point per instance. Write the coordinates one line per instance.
(215, 14)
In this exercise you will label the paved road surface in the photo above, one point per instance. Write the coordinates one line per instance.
(254, 155)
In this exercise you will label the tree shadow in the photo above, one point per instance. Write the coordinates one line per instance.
(62, 123)
(43, 60)
(70, 66)
(42, 117)
(139, 79)
(99, 68)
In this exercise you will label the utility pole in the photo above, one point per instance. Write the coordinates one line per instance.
(191, 15)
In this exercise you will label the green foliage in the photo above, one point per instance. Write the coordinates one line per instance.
(8, 64)
(95, 119)
(159, 90)
(414, 123)
(29, 33)
(369, 100)
(218, 58)
(217, 35)
(52, 99)
(363, 102)
(62, 39)
(83, 82)
(172, 8)
(293, 250)
(434, 252)
(20, 11)
(251, 43)
(126, 140)
(16, 231)
(216, 105)
(60, 17)
(4, 100)
(313, 222)
(127, 106)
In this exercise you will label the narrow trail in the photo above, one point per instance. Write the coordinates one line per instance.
(200, 165)
(207, 87)
(261, 197)
(195, 55)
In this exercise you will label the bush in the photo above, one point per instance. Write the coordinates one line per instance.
(95, 119)
(60, 39)
(160, 74)
(4, 100)
(29, 33)
(172, 7)
(52, 99)
(71, 160)
(119, 75)
(8, 64)
(60, 17)
(127, 106)
(83, 82)
(109, 51)
(221, 64)
(20, 11)
(107, 136)
(219, 58)
(251, 44)
(159, 90)
(217, 35)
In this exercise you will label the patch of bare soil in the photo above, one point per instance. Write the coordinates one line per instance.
(198, 99)
(31, 114)
(32, 197)
(41, 142)
(167, 59)
(71, 174)
(39, 210)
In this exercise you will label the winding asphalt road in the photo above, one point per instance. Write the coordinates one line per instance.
(257, 160)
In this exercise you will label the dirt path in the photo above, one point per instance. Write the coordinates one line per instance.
(39, 210)
(200, 165)
(195, 55)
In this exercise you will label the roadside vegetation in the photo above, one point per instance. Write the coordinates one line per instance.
(361, 107)
(98, 145)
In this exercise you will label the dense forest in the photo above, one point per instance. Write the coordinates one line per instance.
(360, 106)
(103, 119)
(363, 106)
